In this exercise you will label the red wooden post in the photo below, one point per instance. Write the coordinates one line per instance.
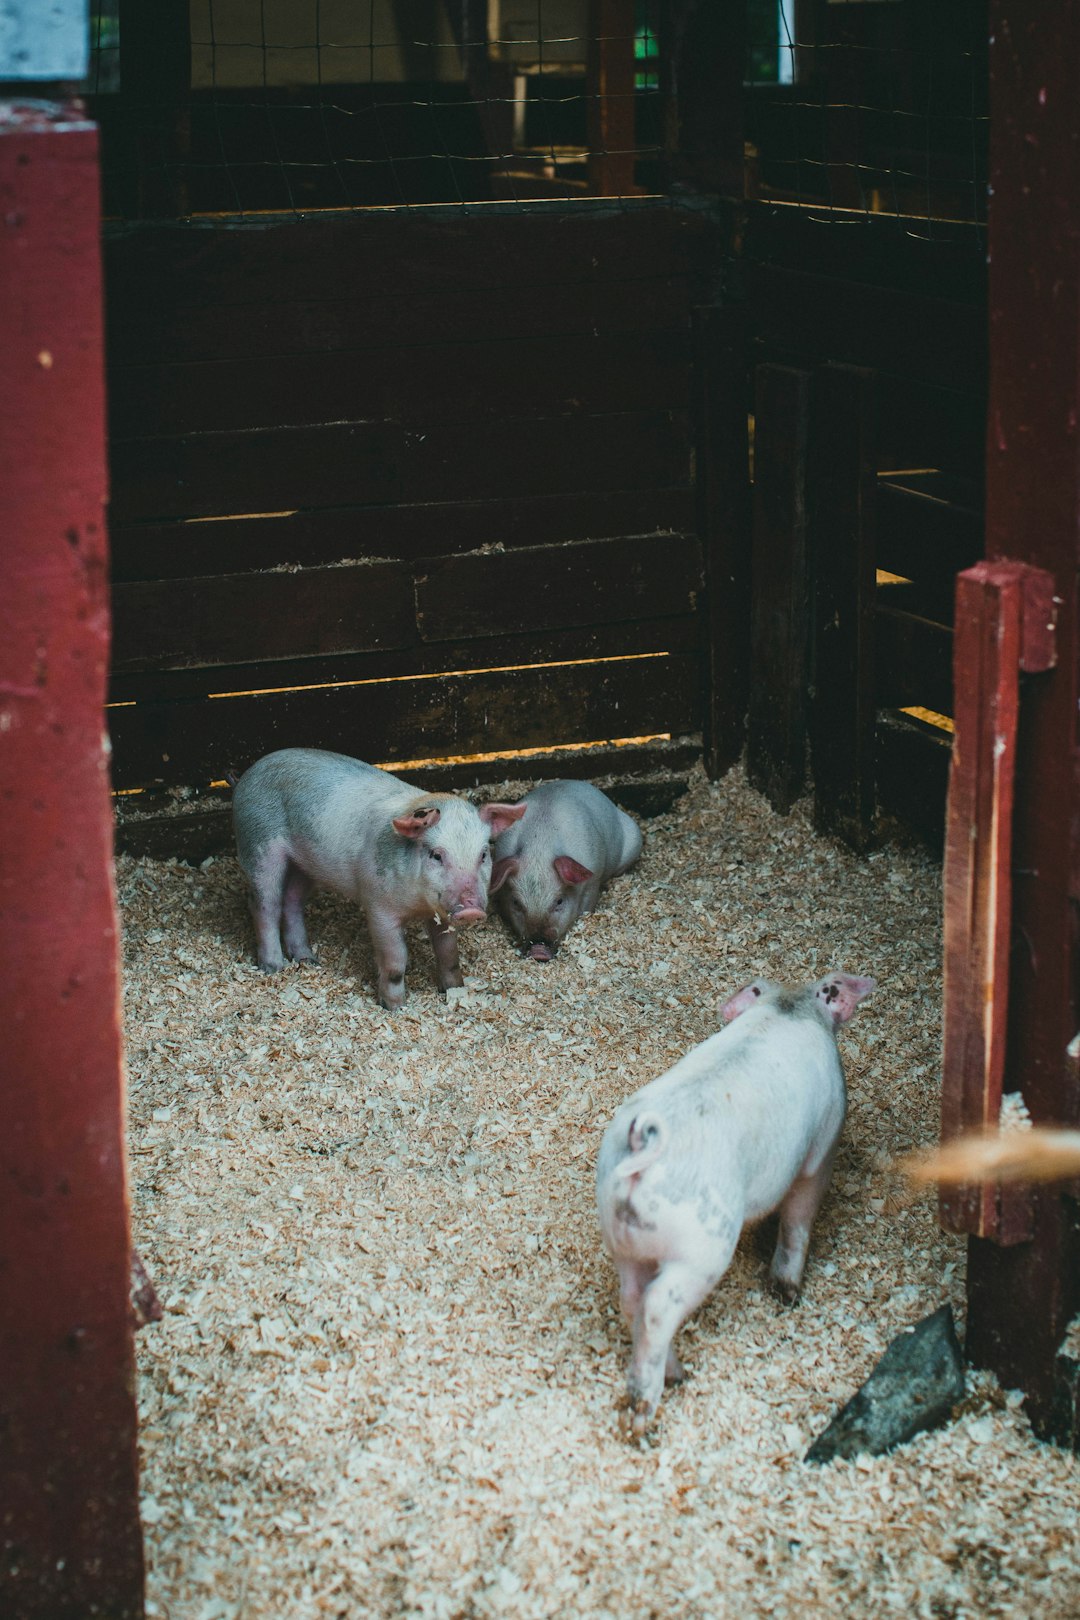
(1020, 1297)
(69, 1528)
(611, 98)
(1004, 623)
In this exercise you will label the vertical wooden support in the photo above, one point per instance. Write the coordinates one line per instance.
(776, 728)
(1020, 1297)
(702, 61)
(843, 704)
(70, 1542)
(155, 92)
(1004, 612)
(610, 116)
(722, 459)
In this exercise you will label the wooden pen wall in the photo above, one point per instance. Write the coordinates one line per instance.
(406, 484)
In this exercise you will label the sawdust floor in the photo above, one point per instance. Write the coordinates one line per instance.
(386, 1378)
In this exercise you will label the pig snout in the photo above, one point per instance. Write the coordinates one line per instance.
(539, 950)
(468, 911)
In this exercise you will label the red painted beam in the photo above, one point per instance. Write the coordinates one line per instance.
(70, 1542)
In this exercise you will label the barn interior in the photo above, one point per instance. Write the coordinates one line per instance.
(611, 389)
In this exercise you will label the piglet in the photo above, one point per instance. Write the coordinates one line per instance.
(306, 817)
(746, 1123)
(550, 867)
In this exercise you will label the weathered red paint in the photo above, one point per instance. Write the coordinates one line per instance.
(1020, 1298)
(69, 1530)
(1004, 623)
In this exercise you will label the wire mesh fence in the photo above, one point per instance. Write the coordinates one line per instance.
(278, 105)
(878, 106)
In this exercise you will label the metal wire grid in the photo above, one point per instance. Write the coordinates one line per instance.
(265, 121)
(876, 108)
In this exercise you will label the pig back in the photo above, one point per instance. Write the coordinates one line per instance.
(576, 819)
(751, 1107)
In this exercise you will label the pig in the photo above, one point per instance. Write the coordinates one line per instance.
(746, 1123)
(550, 867)
(304, 816)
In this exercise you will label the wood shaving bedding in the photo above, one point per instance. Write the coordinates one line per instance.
(386, 1379)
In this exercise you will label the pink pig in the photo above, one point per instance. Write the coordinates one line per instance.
(746, 1123)
(305, 817)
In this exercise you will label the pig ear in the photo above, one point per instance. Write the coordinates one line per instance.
(501, 816)
(571, 871)
(742, 999)
(416, 822)
(502, 869)
(840, 994)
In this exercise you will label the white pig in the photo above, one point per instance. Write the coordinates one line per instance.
(746, 1123)
(550, 867)
(304, 816)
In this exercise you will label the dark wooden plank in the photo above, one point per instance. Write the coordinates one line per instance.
(893, 252)
(1020, 1302)
(722, 465)
(924, 426)
(842, 710)
(541, 707)
(913, 662)
(702, 60)
(340, 463)
(776, 726)
(572, 376)
(844, 320)
(158, 332)
(278, 258)
(548, 646)
(554, 587)
(237, 618)
(173, 550)
(927, 536)
(912, 776)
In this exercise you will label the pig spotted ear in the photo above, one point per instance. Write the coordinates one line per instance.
(840, 994)
(742, 1000)
(571, 871)
(502, 869)
(416, 822)
(501, 816)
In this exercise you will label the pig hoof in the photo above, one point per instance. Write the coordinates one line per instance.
(786, 1291)
(635, 1414)
(271, 967)
(308, 956)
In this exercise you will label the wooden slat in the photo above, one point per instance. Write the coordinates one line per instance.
(154, 333)
(356, 462)
(195, 743)
(572, 376)
(928, 530)
(609, 90)
(848, 321)
(205, 262)
(913, 662)
(776, 727)
(236, 618)
(722, 466)
(173, 550)
(576, 645)
(912, 776)
(588, 583)
(842, 711)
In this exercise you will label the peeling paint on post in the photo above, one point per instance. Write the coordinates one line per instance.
(70, 1543)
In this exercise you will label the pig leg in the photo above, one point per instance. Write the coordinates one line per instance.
(797, 1213)
(676, 1290)
(634, 1278)
(267, 888)
(297, 888)
(388, 938)
(444, 942)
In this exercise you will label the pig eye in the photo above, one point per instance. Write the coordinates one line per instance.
(434, 855)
